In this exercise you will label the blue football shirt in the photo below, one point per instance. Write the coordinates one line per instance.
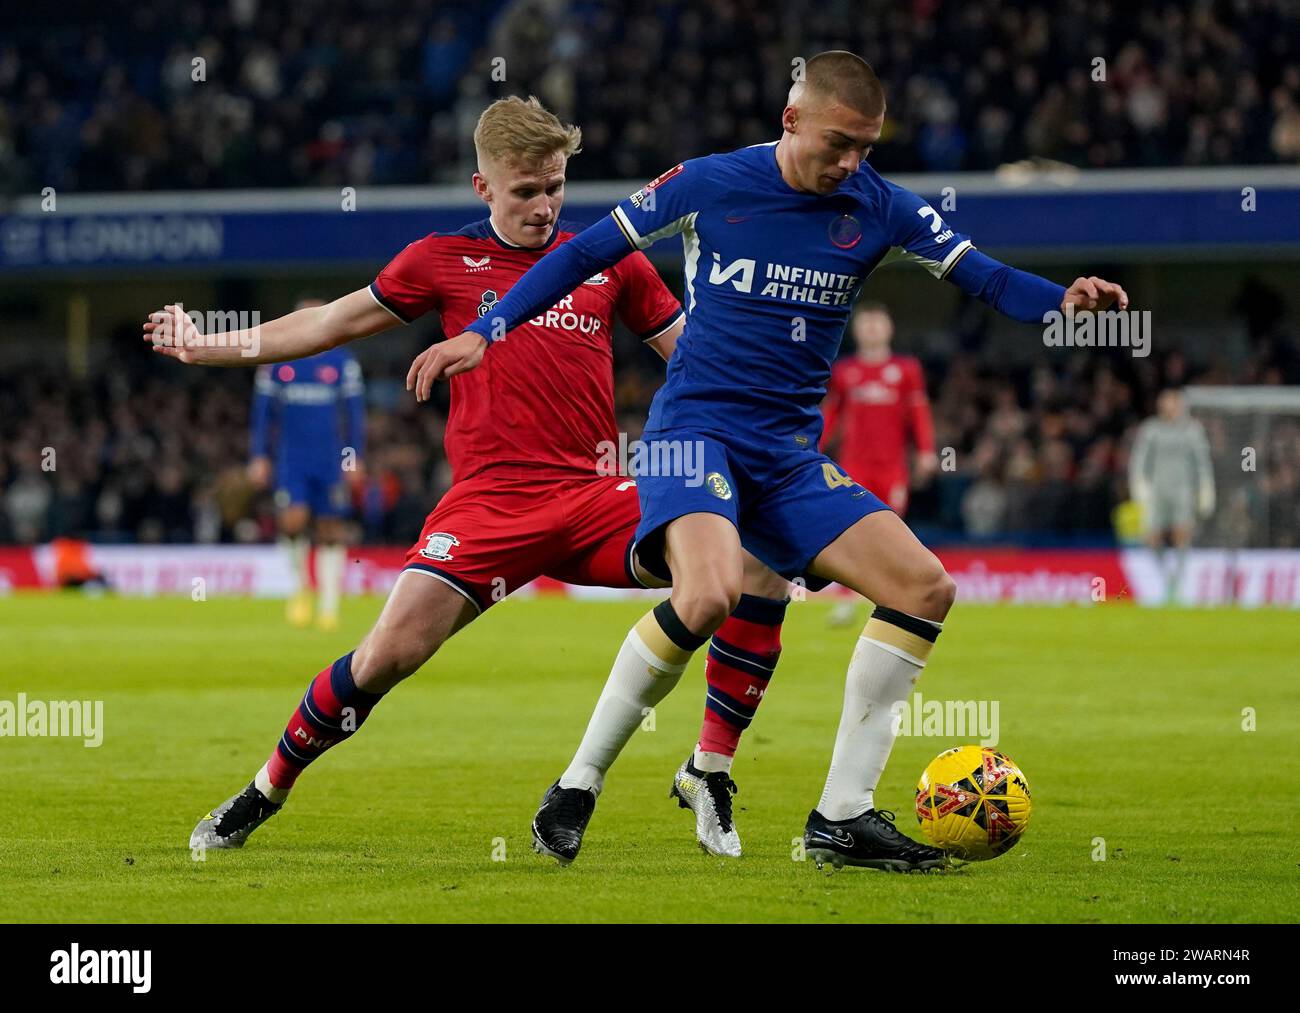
(309, 410)
(771, 276)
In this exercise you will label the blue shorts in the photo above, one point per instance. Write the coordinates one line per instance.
(787, 502)
(321, 489)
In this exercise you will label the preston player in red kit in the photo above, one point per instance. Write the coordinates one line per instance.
(875, 407)
(524, 439)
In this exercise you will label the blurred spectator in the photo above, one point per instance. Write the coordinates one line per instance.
(1041, 452)
(27, 500)
(269, 95)
(147, 456)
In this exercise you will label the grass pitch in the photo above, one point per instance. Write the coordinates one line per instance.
(1127, 722)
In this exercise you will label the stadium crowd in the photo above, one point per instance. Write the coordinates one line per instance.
(162, 456)
(148, 454)
(246, 93)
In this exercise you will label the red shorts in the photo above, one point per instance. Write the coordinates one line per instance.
(891, 485)
(497, 530)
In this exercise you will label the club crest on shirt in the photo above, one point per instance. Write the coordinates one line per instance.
(482, 264)
(438, 546)
(486, 302)
(891, 373)
(845, 232)
(717, 485)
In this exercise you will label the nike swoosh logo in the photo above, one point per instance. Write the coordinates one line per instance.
(737, 219)
(845, 842)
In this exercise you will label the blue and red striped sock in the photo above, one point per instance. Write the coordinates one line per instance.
(331, 710)
(742, 658)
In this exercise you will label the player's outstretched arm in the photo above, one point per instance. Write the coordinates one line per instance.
(1204, 471)
(1139, 485)
(443, 361)
(265, 404)
(296, 335)
(1027, 297)
(916, 228)
(664, 344)
(554, 276)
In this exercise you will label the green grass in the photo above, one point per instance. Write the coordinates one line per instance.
(1127, 722)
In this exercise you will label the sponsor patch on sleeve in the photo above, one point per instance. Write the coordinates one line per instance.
(658, 181)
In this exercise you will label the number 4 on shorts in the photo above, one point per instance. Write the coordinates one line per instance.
(835, 478)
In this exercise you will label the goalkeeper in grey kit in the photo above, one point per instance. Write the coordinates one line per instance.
(1170, 476)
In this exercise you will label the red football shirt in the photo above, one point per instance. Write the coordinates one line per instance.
(544, 395)
(873, 408)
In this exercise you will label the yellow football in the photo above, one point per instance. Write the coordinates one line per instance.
(973, 802)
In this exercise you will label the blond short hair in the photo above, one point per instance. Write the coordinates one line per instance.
(519, 131)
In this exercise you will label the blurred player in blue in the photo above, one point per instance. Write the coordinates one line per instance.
(308, 433)
(778, 240)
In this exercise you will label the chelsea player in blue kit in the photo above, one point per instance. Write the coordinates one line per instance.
(308, 431)
(778, 239)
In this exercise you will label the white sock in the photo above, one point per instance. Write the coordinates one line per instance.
(646, 669)
(297, 547)
(1176, 575)
(262, 782)
(709, 763)
(329, 578)
(886, 665)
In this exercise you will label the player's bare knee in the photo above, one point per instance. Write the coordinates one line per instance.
(937, 592)
(704, 608)
(927, 592)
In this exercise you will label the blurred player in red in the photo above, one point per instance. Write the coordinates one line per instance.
(524, 439)
(875, 407)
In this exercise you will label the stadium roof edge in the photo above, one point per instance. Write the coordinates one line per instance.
(1008, 181)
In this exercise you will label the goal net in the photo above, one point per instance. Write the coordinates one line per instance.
(1254, 435)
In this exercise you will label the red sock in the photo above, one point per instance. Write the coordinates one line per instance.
(742, 658)
(331, 710)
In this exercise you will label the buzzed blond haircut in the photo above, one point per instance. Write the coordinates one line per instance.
(843, 77)
(521, 132)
